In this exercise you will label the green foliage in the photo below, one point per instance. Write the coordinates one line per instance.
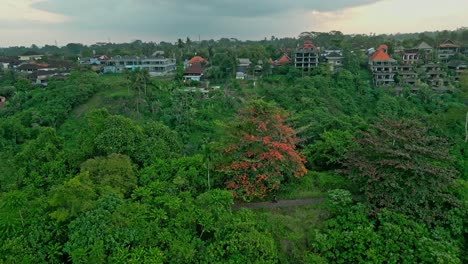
(115, 171)
(400, 167)
(189, 173)
(39, 162)
(72, 198)
(330, 149)
(352, 237)
(122, 168)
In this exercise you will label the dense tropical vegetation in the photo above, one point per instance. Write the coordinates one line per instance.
(133, 169)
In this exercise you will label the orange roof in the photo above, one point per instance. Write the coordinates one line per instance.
(197, 59)
(283, 60)
(382, 47)
(380, 55)
(308, 45)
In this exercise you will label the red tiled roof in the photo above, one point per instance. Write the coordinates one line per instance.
(380, 55)
(197, 59)
(382, 47)
(283, 60)
(195, 68)
(308, 45)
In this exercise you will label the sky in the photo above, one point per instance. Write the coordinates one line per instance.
(40, 22)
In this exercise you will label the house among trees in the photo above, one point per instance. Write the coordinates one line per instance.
(31, 68)
(283, 60)
(383, 67)
(95, 60)
(423, 46)
(335, 60)
(194, 72)
(447, 50)
(306, 57)
(30, 56)
(9, 62)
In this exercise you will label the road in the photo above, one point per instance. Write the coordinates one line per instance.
(280, 203)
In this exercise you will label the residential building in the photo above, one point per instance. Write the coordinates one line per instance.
(243, 65)
(447, 50)
(31, 68)
(407, 74)
(156, 66)
(306, 57)
(95, 60)
(423, 46)
(258, 69)
(43, 76)
(30, 56)
(9, 62)
(194, 72)
(383, 67)
(240, 75)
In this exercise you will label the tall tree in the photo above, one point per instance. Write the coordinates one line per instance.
(262, 152)
(402, 168)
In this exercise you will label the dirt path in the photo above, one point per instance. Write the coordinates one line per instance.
(280, 203)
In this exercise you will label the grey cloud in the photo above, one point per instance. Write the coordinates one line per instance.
(171, 18)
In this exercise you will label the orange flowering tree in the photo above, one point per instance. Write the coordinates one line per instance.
(261, 153)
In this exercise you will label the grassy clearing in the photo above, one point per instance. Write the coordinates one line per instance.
(291, 226)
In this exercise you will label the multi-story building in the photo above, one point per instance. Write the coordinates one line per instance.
(335, 60)
(154, 65)
(447, 50)
(433, 74)
(458, 68)
(306, 57)
(383, 67)
(410, 57)
(407, 74)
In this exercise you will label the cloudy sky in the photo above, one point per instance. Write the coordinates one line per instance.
(24, 22)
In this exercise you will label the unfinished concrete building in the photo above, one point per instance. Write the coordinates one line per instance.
(433, 74)
(306, 57)
(383, 67)
(407, 74)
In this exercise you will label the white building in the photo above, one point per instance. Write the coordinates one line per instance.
(156, 66)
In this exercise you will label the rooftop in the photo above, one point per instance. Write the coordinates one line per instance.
(423, 45)
(448, 44)
(197, 59)
(195, 68)
(380, 55)
(308, 45)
